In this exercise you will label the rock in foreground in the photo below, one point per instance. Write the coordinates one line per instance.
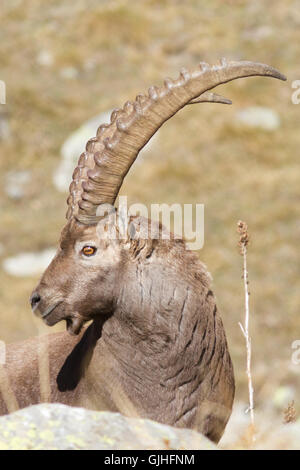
(60, 427)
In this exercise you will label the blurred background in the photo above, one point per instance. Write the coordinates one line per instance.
(66, 64)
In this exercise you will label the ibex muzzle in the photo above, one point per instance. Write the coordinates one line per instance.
(161, 336)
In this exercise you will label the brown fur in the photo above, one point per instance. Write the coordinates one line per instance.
(156, 347)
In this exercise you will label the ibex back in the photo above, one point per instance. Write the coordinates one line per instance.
(156, 347)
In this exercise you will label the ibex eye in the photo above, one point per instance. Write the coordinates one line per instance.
(88, 250)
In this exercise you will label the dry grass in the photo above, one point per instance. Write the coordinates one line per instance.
(118, 48)
(242, 229)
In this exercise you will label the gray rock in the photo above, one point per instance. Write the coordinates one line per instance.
(28, 264)
(59, 427)
(45, 58)
(258, 117)
(72, 149)
(75, 145)
(15, 183)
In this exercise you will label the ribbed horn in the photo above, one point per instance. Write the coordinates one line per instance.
(108, 157)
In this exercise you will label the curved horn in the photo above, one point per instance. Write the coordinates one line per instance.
(108, 157)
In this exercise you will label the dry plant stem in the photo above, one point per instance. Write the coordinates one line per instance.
(290, 414)
(245, 331)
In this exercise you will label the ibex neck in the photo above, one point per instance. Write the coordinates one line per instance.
(155, 339)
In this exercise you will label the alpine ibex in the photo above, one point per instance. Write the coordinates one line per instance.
(156, 347)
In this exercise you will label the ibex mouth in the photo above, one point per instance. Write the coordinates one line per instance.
(53, 314)
(49, 310)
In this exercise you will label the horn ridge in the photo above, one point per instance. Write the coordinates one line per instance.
(111, 153)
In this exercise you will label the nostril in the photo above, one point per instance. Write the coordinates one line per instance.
(35, 299)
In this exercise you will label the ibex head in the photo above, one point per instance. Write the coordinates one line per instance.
(84, 278)
(81, 279)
